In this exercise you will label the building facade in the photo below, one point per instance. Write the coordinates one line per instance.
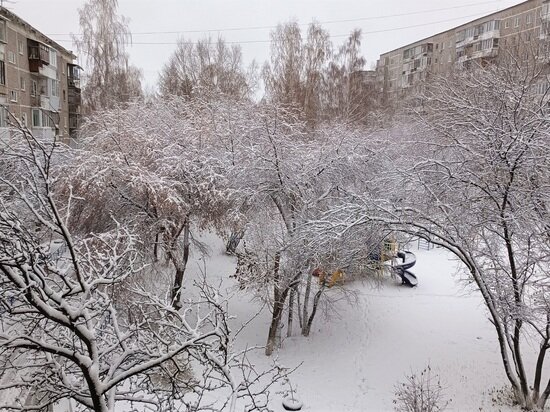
(482, 40)
(39, 80)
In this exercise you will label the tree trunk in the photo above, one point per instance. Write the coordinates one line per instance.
(544, 397)
(156, 248)
(279, 298)
(179, 264)
(278, 307)
(290, 312)
(538, 370)
(233, 242)
(306, 303)
(299, 306)
(307, 327)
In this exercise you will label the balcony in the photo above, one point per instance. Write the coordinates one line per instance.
(422, 50)
(73, 76)
(74, 100)
(39, 55)
(474, 34)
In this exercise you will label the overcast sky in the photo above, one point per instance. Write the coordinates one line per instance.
(156, 24)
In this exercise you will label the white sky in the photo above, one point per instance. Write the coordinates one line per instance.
(383, 29)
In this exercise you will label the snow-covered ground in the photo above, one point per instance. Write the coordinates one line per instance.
(353, 361)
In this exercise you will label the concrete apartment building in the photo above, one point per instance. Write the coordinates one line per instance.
(482, 40)
(39, 81)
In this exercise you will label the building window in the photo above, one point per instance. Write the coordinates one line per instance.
(24, 119)
(507, 24)
(528, 19)
(22, 83)
(53, 58)
(11, 57)
(2, 72)
(3, 116)
(36, 118)
(3, 37)
(516, 22)
(48, 120)
(20, 47)
(54, 88)
(13, 96)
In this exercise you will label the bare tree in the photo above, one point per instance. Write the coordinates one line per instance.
(344, 95)
(283, 76)
(64, 334)
(283, 177)
(206, 68)
(308, 74)
(421, 392)
(162, 177)
(102, 41)
(295, 75)
(476, 186)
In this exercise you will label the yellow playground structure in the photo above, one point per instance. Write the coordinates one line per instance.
(336, 278)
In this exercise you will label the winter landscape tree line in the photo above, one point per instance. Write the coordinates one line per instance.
(95, 304)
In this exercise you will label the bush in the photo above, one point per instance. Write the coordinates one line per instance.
(420, 393)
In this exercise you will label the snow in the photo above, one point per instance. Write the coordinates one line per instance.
(353, 361)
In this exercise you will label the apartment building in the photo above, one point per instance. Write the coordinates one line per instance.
(482, 40)
(39, 80)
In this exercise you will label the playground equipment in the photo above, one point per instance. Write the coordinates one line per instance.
(390, 252)
(401, 269)
(325, 279)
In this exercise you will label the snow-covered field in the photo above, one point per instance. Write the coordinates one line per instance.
(353, 361)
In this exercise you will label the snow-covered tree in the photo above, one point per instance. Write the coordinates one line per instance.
(473, 178)
(283, 176)
(161, 176)
(66, 337)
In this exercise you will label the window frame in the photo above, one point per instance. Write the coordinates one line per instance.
(2, 72)
(39, 117)
(3, 31)
(53, 57)
(3, 116)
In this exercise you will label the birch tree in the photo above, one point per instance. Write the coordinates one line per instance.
(295, 74)
(104, 35)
